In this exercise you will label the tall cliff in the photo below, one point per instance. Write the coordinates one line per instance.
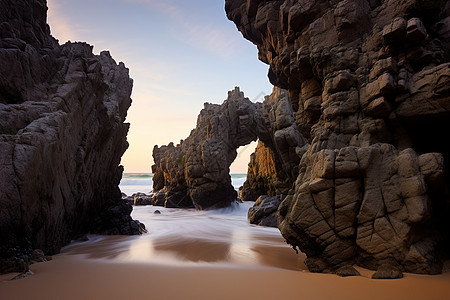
(369, 82)
(62, 135)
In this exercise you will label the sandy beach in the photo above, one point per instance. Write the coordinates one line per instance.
(73, 277)
(190, 254)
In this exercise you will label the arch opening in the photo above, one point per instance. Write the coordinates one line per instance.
(196, 173)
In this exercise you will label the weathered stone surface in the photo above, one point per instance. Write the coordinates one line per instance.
(369, 86)
(274, 165)
(38, 256)
(387, 272)
(62, 134)
(347, 271)
(140, 199)
(261, 174)
(264, 211)
(196, 172)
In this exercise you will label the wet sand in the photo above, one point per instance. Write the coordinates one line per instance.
(76, 277)
(202, 255)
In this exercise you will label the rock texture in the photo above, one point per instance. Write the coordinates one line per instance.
(347, 271)
(62, 134)
(369, 84)
(261, 175)
(139, 199)
(387, 272)
(195, 173)
(264, 212)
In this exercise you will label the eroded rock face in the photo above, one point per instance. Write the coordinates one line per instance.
(196, 172)
(261, 174)
(62, 134)
(369, 84)
(273, 166)
(264, 212)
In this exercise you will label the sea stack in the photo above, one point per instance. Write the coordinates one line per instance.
(62, 135)
(369, 84)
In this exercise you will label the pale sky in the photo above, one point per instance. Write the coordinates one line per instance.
(180, 55)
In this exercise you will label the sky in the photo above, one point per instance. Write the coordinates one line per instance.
(181, 54)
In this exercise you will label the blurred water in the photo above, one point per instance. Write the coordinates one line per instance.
(237, 180)
(191, 237)
(143, 182)
(195, 238)
(136, 182)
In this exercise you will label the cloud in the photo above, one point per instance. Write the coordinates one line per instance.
(215, 40)
(197, 31)
(165, 7)
(59, 26)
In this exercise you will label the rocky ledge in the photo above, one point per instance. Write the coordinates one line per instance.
(369, 84)
(62, 135)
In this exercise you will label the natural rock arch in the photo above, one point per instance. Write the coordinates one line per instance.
(195, 173)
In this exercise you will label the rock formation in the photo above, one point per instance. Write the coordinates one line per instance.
(261, 174)
(138, 199)
(264, 212)
(62, 135)
(369, 83)
(195, 173)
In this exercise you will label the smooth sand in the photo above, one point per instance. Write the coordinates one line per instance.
(74, 277)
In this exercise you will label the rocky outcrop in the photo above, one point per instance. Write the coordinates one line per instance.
(195, 173)
(139, 199)
(273, 166)
(261, 175)
(62, 135)
(264, 212)
(369, 82)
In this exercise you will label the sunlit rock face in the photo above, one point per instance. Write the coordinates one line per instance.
(273, 166)
(62, 135)
(261, 174)
(369, 82)
(195, 173)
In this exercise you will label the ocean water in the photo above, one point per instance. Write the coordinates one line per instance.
(143, 182)
(136, 182)
(188, 237)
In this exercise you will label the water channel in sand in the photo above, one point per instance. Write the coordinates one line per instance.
(190, 237)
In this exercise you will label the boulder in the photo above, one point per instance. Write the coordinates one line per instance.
(264, 211)
(347, 271)
(140, 199)
(387, 272)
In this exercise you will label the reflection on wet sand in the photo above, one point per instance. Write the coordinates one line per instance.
(180, 237)
(237, 251)
(202, 255)
(196, 250)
